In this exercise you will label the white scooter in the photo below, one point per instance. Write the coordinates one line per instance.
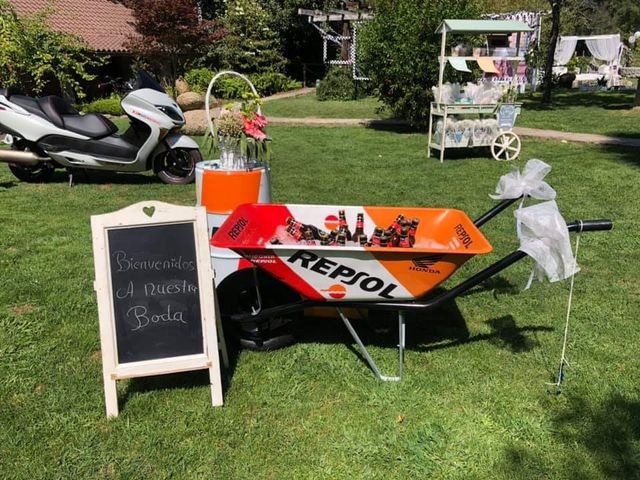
(47, 133)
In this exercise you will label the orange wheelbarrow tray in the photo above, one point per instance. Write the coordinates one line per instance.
(372, 278)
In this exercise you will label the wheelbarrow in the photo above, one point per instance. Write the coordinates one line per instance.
(340, 277)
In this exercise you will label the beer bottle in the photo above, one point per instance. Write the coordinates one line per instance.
(395, 226)
(404, 238)
(393, 237)
(316, 231)
(342, 239)
(412, 230)
(344, 226)
(362, 239)
(294, 232)
(375, 237)
(309, 237)
(325, 239)
(384, 240)
(359, 232)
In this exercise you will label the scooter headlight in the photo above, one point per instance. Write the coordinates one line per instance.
(170, 112)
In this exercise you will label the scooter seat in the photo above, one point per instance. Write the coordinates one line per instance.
(64, 116)
(93, 125)
(28, 103)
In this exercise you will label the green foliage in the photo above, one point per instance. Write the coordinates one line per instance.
(109, 106)
(32, 56)
(250, 45)
(234, 87)
(273, 82)
(400, 51)
(338, 84)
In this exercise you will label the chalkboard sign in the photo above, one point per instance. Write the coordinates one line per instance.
(156, 300)
(507, 116)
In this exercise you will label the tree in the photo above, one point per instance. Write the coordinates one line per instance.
(400, 50)
(250, 44)
(171, 33)
(556, 6)
(33, 56)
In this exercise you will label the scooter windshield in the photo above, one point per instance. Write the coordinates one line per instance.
(147, 81)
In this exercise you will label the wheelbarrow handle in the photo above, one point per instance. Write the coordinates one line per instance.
(484, 218)
(590, 225)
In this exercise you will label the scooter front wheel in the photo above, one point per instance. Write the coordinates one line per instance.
(177, 166)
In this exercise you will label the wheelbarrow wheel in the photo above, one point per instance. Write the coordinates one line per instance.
(237, 294)
(506, 146)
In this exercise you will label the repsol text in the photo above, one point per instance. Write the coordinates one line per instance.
(343, 273)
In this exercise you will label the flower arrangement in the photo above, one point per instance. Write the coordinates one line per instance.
(239, 135)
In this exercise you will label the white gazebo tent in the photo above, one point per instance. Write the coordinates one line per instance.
(607, 48)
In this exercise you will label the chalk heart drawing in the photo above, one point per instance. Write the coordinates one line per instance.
(149, 211)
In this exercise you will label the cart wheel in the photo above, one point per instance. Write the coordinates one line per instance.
(506, 146)
(237, 294)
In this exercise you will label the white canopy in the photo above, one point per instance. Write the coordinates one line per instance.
(602, 47)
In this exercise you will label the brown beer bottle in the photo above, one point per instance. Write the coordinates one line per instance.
(344, 226)
(404, 238)
(362, 239)
(325, 239)
(395, 226)
(342, 239)
(384, 240)
(294, 232)
(309, 237)
(359, 232)
(412, 230)
(375, 237)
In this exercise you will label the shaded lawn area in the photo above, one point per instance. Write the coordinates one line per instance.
(305, 106)
(473, 403)
(604, 113)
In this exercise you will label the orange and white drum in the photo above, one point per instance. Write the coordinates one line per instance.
(221, 191)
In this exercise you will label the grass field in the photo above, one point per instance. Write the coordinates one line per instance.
(473, 403)
(606, 113)
(306, 106)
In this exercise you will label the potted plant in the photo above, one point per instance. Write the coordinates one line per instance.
(238, 134)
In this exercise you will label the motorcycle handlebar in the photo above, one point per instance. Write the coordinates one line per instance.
(590, 225)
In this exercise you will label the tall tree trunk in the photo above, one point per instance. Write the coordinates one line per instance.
(553, 40)
(344, 50)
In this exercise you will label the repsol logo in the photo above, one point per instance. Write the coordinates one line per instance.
(425, 263)
(237, 228)
(464, 237)
(343, 273)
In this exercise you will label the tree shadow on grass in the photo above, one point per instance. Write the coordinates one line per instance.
(562, 99)
(608, 433)
(629, 155)
(99, 177)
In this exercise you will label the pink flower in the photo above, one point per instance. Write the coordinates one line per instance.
(260, 121)
(251, 129)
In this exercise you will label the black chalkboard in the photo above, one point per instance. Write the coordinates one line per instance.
(154, 280)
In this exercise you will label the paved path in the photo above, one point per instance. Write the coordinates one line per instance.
(523, 132)
(289, 94)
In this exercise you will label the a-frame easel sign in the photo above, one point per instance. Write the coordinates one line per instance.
(156, 304)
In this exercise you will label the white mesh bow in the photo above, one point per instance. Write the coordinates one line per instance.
(544, 237)
(530, 182)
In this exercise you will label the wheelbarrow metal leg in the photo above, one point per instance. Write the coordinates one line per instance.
(365, 352)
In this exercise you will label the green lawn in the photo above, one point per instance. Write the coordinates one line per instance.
(473, 403)
(605, 113)
(308, 106)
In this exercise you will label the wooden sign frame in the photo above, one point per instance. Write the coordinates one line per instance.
(154, 213)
